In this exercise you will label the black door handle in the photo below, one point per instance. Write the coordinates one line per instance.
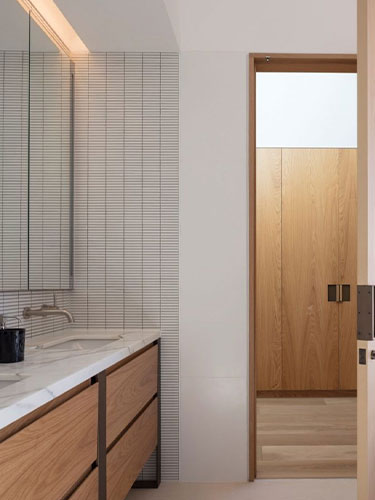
(338, 293)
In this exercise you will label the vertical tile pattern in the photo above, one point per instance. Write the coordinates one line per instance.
(114, 226)
(126, 209)
(169, 298)
(133, 190)
(126, 214)
(81, 188)
(96, 195)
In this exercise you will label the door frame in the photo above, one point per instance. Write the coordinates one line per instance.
(276, 63)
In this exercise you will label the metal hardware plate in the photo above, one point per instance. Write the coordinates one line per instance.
(345, 293)
(365, 312)
(362, 356)
(332, 293)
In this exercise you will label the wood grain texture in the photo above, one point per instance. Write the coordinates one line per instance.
(268, 270)
(366, 420)
(366, 238)
(126, 459)
(89, 489)
(252, 277)
(50, 455)
(306, 438)
(39, 412)
(309, 262)
(364, 22)
(348, 267)
(129, 389)
(312, 63)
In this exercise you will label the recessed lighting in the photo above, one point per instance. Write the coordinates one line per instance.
(53, 22)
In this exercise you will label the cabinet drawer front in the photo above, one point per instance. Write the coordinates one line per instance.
(46, 458)
(126, 459)
(89, 489)
(129, 389)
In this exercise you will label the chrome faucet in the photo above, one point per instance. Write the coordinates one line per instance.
(48, 310)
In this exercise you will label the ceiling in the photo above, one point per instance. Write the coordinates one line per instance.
(214, 25)
(121, 25)
(197, 25)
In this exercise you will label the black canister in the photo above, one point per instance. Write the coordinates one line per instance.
(12, 343)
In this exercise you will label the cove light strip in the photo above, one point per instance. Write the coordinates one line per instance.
(53, 22)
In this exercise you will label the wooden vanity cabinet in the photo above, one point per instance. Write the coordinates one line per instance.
(129, 388)
(91, 442)
(89, 488)
(132, 420)
(46, 458)
(127, 457)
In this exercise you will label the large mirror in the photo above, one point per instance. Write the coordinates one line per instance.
(36, 156)
(50, 164)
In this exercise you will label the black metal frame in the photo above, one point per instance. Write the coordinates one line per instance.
(102, 426)
(154, 483)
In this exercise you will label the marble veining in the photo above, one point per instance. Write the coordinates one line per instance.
(47, 373)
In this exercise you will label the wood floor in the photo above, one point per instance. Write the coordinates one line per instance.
(306, 437)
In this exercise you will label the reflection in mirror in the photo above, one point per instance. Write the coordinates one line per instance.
(14, 79)
(50, 164)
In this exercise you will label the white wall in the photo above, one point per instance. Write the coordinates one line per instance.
(268, 25)
(213, 270)
(306, 110)
(214, 209)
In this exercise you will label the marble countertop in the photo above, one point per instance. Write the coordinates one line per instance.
(48, 373)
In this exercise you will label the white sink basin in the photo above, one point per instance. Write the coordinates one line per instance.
(10, 378)
(79, 342)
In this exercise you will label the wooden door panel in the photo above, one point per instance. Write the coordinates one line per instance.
(348, 267)
(268, 269)
(309, 263)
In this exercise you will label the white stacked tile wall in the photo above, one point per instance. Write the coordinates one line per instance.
(126, 209)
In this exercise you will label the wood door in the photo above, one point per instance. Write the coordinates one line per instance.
(310, 257)
(348, 267)
(268, 270)
(306, 214)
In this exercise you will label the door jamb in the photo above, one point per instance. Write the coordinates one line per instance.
(306, 63)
